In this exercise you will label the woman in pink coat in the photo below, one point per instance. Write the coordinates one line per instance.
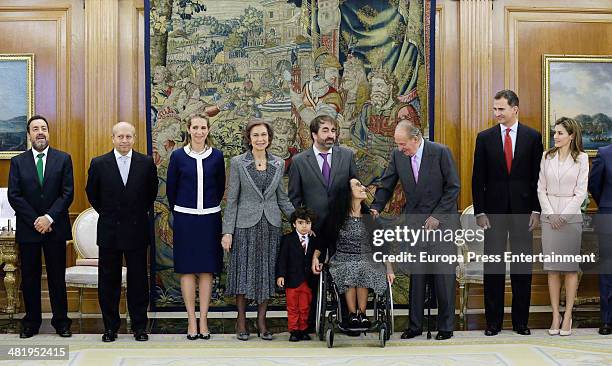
(562, 188)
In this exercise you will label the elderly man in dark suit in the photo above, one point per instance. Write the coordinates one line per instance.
(429, 178)
(40, 190)
(121, 187)
(504, 188)
(316, 174)
(600, 185)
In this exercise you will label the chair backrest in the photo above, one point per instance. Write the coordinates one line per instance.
(468, 221)
(84, 233)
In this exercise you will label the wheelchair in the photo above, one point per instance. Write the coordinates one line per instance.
(329, 312)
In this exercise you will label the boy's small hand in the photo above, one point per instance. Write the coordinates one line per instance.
(280, 282)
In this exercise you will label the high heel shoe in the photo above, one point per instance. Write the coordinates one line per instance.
(241, 336)
(566, 332)
(553, 331)
(205, 336)
(193, 337)
(266, 335)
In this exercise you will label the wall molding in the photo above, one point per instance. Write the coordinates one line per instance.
(514, 15)
(476, 70)
(101, 74)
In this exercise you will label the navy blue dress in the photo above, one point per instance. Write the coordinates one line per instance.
(194, 187)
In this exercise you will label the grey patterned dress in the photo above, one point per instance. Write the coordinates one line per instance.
(252, 262)
(352, 264)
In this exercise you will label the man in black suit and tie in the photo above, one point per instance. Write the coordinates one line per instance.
(504, 189)
(428, 176)
(121, 187)
(40, 190)
(316, 174)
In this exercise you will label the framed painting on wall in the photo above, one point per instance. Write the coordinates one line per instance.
(16, 102)
(579, 87)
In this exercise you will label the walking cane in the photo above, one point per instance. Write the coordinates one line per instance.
(428, 300)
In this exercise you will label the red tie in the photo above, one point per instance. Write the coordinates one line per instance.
(508, 150)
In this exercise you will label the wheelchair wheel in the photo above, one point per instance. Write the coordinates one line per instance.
(389, 312)
(329, 337)
(321, 307)
(382, 335)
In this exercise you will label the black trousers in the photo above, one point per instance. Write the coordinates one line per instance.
(605, 277)
(109, 286)
(444, 290)
(516, 228)
(31, 272)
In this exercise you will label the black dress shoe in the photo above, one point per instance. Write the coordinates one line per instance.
(141, 336)
(205, 336)
(364, 322)
(444, 334)
(522, 330)
(411, 333)
(605, 329)
(109, 336)
(294, 337)
(304, 336)
(353, 321)
(27, 333)
(491, 331)
(193, 337)
(64, 332)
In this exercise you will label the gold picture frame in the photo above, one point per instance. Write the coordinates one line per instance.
(575, 86)
(17, 102)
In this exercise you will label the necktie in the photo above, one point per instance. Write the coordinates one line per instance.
(303, 242)
(508, 150)
(326, 169)
(415, 168)
(39, 167)
(123, 168)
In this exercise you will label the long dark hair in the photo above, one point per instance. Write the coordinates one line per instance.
(340, 210)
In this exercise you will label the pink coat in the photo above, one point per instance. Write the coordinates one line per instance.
(563, 188)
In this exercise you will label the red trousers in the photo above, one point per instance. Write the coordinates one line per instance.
(298, 306)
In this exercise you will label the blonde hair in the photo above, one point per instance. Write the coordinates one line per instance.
(188, 122)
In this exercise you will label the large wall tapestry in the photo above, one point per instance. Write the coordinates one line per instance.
(367, 63)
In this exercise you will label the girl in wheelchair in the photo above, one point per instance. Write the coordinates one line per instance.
(348, 243)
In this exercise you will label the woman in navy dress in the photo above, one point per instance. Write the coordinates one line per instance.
(195, 186)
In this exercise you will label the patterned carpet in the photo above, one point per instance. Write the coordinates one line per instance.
(584, 347)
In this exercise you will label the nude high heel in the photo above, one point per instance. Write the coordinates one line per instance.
(566, 332)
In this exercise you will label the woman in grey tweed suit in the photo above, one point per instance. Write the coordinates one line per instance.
(252, 224)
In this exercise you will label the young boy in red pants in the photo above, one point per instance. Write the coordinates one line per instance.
(293, 272)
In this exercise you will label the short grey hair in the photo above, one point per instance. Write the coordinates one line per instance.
(409, 128)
